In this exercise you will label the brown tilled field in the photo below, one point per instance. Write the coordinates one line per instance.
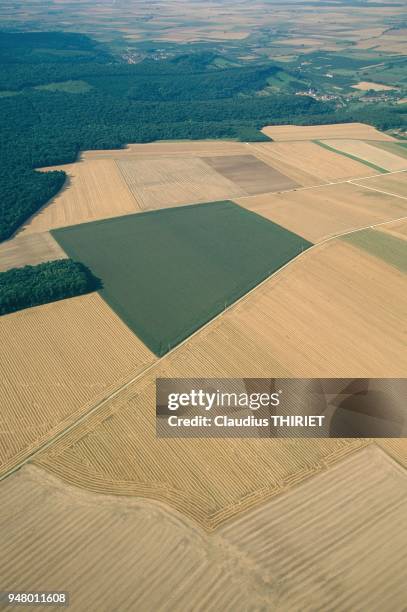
(29, 249)
(162, 561)
(358, 131)
(94, 190)
(324, 315)
(56, 361)
(391, 183)
(369, 153)
(326, 211)
(250, 174)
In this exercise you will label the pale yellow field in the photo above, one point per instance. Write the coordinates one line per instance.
(182, 148)
(329, 210)
(336, 541)
(56, 361)
(397, 228)
(29, 250)
(391, 183)
(95, 190)
(310, 158)
(164, 182)
(325, 315)
(369, 153)
(366, 86)
(358, 131)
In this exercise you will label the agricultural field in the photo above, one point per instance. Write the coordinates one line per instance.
(256, 559)
(392, 184)
(322, 212)
(93, 189)
(311, 163)
(161, 182)
(366, 86)
(368, 153)
(251, 174)
(396, 228)
(56, 361)
(356, 131)
(29, 249)
(229, 250)
(318, 317)
(391, 249)
(398, 148)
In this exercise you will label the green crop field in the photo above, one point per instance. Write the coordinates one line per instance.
(168, 272)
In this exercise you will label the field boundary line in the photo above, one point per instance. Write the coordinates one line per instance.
(318, 185)
(395, 195)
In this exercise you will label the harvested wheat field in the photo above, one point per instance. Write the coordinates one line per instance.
(395, 184)
(325, 211)
(167, 182)
(119, 554)
(30, 249)
(183, 148)
(56, 361)
(337, 542)
(272, 557)
(368, 153)
(94, 190)
(309, 158)
(358, 131)
(324, 315)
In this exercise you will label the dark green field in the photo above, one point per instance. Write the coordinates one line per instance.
(168, 272)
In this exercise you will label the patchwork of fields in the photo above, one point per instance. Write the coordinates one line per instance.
(298, 271)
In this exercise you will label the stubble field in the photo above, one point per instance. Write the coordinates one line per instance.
(56, 361)
(30, 249)
(395, 184)
(272, 555)
(329, 210)
(369, 153)
(94, 189)
(358, 131)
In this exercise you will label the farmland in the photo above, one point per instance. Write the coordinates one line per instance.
(369, 153)
(228, 249)
(29, 249)
(329, 297)
(93, 189)
(160, 182)
(310, 163)
(328, 210)
(71, 352)
(395, 184)
(262, 556)
(391, 249)
(358, 131)
(219, 248)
